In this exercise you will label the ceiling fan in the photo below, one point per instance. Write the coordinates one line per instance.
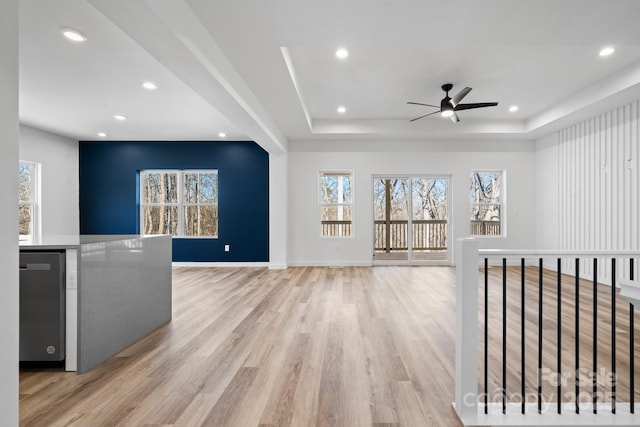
(449, 106)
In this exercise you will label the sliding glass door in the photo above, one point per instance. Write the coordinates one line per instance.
(411, 219)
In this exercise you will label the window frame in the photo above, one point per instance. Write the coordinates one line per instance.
(36, 203)
(337, 172)
(502, 203)
(180, 205)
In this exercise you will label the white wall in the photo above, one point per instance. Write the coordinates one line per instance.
(277, 211)
(595, 165)
(410, 157)
(59, 177)
(9, 212)
(547, 192)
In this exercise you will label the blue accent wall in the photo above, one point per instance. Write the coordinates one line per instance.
(109, 193)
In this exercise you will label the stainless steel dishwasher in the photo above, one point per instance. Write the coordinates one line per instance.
(42, 306)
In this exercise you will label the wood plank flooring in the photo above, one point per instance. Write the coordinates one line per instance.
(351, 346)
(257, 347)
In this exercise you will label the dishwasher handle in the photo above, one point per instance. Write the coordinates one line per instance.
(35, 267)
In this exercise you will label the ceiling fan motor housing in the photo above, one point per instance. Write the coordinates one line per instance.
(446, 104)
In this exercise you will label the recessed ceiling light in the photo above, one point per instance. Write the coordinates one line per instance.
(222, 135)
(149, 85)
(342, 109)
(342, 53)
(513, 108)
(119, 117)
(102, 134)
(73, 35)
(606, 51)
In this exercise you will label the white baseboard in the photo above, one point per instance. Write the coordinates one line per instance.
(330, 263)
(274, 266)
(549, 416)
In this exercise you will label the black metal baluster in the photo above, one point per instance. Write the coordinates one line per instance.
(540, 336)
(504, 335)
(559, 324)
(522, 350)
(632, 382)
(595, 336)
(613, 336)
(577, 277)
(486, 334)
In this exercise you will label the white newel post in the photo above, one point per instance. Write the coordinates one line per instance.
(466, 395)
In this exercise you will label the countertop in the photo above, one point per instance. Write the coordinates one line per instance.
(74, 240)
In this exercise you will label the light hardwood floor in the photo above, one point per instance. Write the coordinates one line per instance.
(298, 347)
(257, 347)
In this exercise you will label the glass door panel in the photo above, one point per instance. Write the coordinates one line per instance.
(429, 218)
(391, 198)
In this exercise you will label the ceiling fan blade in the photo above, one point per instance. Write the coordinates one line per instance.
(464, 92)
(426, 105)
(421, 117)
(454, 118)
(475, 105)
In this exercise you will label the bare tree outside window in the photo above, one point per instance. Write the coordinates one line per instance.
(397, 202)
(429, 198)
(487, 203)
(336, 204)
(200, 204)
(27, 197)
(179, 203)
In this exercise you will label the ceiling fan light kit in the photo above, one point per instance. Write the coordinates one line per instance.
(449, 106)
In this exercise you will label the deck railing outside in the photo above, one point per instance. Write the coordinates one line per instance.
(427, 235)
(336, 228)
(485, 228)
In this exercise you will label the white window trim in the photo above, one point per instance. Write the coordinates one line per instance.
(320, 204)
(502, 204)
(179, 205)
(36, 212)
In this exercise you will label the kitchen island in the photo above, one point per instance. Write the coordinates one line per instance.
(118, 289)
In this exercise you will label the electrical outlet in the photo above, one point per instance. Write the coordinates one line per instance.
(226, 248)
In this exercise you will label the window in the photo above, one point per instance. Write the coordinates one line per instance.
(179, 203)
(28, 198)
(487, 203)
(336, 204)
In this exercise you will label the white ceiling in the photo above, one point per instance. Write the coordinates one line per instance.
(266, 70)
